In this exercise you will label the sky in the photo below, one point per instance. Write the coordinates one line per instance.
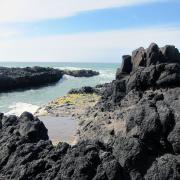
(84, 30)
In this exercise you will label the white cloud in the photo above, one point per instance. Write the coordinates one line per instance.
(33, 10)
(100, 46)
(6, 33)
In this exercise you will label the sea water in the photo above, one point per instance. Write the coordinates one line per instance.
(30, 100)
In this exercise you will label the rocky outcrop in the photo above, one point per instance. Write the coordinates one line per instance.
(138, 115)
(132, 133)
(126, 66)
(26, 153)
(22, 78)
(81, 73)
(29, 77)
(99, 89)
(83, 90)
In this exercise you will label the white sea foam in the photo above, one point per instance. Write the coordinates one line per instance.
(108, 74)
(20, 107)
(70, 68)
(67, 77)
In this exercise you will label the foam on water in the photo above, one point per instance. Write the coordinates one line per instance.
(70, 68)
(17, 102)
(108, 74)
(67, 77)
(20, 107)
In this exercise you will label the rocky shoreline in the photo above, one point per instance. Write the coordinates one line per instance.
(24, 78)
(131, 132)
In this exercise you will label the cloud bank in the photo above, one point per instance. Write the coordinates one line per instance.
(35, 10)
(95, 46)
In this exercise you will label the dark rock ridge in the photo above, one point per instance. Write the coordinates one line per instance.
(81, 73)
(83, 90)
(22, 78)
(139, 115)
(99, 89)
(132, 133)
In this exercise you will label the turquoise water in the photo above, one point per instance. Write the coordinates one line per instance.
(29, 100)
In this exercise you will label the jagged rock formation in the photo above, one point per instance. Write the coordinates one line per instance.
(132, 133)
(26, 153)
(139, 114)
(22, 78)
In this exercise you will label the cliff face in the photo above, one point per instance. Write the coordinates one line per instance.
(133, 132)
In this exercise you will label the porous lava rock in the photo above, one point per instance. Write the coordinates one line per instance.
(132, 133)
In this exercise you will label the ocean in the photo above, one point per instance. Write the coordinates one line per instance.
(14, 103)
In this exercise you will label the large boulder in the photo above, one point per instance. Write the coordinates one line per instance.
(170, 54)
(132, 155)
(162, 75)
(153, 55)
(174, 138)
(164, 167)
(126, 66)
(143, 122)
(32, 128)
(139, 58)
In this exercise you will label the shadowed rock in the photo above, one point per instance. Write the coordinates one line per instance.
(81, 73)
(126, 66)
(22, 78)
(30, 77)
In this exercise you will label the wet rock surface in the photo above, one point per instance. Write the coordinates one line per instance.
(132, 133)
(30, 77)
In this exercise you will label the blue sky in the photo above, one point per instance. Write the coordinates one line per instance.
(78, 30)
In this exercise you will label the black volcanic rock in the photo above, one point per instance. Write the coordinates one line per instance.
(83, 90)
(162, 75)
(26, 153)
(139, 115)
(81, 73)
(153, 55)
(126, 66)
(132, 133)
(138, 58)
(20, 78)
(174, 138)
(29, 77)
(170, 54)
(99, 89)
(165, 167)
